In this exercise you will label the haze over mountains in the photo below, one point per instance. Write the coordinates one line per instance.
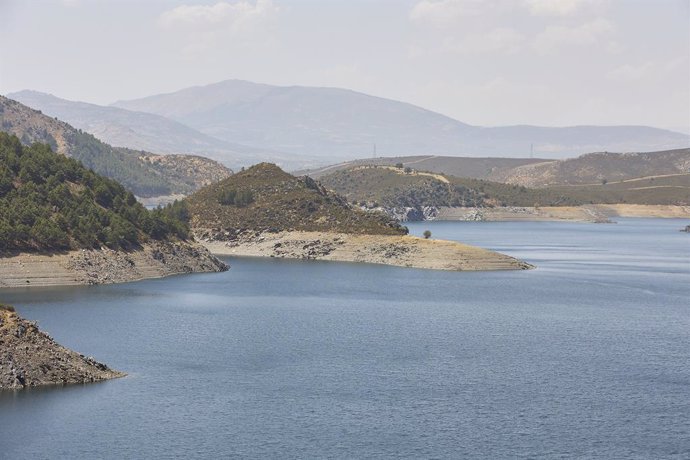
(240, 123)
(135, 130)
(337, 123)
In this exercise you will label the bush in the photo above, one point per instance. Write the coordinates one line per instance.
(427, 234)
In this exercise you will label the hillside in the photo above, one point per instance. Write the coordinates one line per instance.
(489, 168)
(51, 202)
(395, 188)
(334, 124)
(595, 168)
(265, 198)
(392, 187)
(143, 173)
(31, 358)
(136, 130)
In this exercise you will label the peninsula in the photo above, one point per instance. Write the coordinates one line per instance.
(61, 223)
(30, 357)
(264, 211)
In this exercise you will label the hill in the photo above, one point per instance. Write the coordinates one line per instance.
(31, 358)
(395, 189)
(335, 124)
(595, 168)
(143, 173)
(265, 198)
(50, 202)
(265, 212)
(391, 187)
(63, 224)
(137, 130)
(478, 168)
(588, 169)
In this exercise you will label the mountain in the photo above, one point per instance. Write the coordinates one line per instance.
(336, 124)
(264, 198)
(144, 173)
(136, 130)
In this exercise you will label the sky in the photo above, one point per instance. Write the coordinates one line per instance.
(490, 62)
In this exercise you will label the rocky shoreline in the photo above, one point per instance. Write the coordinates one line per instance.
(31, 358)
(105, 266)
(596, 213)
(401, 251)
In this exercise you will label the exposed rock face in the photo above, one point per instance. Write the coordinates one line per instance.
(30, 358)
(155, 260)
(103, 266)
(409, 213)
(397, 250)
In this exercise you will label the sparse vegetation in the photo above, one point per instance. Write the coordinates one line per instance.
(265, 198)
(394, 190)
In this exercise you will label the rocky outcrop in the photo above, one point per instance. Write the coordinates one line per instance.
(30, 357)
(408, 213)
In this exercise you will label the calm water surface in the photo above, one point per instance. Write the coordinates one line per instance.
(586, 356)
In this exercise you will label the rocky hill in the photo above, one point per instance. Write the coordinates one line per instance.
(265, 198)
(335, 124)
(143, 173)
(30, 358)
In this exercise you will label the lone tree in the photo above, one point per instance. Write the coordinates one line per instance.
(427, 234)
(399, 165)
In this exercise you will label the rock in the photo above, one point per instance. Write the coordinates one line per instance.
(29, 357)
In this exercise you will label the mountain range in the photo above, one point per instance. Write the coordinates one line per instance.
(143, 173)
(240, 122)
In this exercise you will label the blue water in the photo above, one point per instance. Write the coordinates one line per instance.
(586, 356)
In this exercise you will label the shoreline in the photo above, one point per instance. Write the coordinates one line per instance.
(596, 213)
(400, 251)
(31, 358)
(105, 266)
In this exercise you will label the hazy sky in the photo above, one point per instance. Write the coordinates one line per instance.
(493, 62)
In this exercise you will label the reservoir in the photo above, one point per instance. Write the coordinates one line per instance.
(588, 355)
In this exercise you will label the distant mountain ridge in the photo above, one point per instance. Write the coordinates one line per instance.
(136, 130)
(336, 124)
(143, 173)
(590, 168)
(594, 168)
